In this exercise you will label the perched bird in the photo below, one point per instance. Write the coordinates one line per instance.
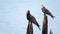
(32, 19)
(46, 11)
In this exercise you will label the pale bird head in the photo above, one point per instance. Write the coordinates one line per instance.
(42, 6)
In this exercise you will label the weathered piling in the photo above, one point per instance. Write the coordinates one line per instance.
(29, 28)
(45, 25)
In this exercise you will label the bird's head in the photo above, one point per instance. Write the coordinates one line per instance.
(28, 12)
(42, 6)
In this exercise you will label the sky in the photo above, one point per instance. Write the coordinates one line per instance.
(13, 15)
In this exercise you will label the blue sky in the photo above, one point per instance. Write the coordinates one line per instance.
(13, 15)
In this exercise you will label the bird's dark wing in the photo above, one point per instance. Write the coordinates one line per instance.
(33, 19)
(35, 22)
(49, 13)
(45, 11)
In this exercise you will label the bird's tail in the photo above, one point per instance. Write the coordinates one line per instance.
(52, 16)
(38, 26)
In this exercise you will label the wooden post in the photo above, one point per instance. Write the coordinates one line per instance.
(45, 25)
(29, 28)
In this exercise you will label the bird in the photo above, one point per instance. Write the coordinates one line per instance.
(32, 19)
(46, 11)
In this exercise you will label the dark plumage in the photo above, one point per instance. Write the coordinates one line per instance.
(32, 19)
(46, 11)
